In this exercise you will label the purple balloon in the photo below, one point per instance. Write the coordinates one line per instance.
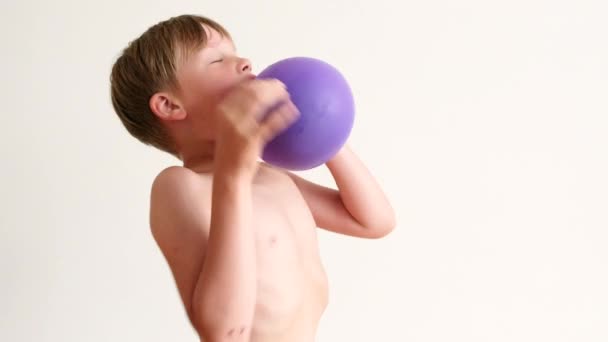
(327, 111)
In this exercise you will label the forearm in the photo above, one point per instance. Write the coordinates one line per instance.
(224, 300)
(361, 195)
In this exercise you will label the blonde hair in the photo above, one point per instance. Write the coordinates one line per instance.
(148, 65)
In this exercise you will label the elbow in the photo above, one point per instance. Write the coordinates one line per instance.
(380, 231)
(214, 326)
(381, 227)
(213, 329)
(201, 325)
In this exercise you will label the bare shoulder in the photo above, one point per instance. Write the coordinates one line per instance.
(177, 191)
(277, 177)
(180, 211)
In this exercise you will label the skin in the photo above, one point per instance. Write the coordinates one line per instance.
(240, 235)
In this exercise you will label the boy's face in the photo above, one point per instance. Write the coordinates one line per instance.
(208, 75)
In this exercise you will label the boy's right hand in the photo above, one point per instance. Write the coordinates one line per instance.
(247, 118)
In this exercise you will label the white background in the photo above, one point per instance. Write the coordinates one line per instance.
(485, 121)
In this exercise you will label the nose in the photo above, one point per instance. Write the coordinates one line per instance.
(244, 65)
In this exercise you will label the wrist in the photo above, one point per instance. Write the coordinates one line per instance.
(338, 156)
(232, 174)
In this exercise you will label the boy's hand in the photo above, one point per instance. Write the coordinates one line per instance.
(248, 117)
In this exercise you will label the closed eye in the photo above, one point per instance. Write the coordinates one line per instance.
(217, 61)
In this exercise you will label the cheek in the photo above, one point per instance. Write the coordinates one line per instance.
(207, 90)
(224, 86)
(222, 81)
(202, 94)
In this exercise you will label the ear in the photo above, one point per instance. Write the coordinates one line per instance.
(167, 107)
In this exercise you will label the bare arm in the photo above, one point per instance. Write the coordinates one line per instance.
(210, 248)
(357, 208)
(225, 295)
(224, 298)
(217, 270)
(360, 192)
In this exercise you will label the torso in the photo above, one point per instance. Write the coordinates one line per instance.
(292, 289)
(292, 285)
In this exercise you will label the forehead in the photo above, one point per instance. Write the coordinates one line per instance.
(214, 41)
(214, 38)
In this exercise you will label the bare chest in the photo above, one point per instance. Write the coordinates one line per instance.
(290, 276)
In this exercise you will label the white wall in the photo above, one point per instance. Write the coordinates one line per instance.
(486, 121)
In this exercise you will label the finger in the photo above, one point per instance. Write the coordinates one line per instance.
(278, 120)
(269, 95)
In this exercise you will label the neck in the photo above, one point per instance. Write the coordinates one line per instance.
(199, 157)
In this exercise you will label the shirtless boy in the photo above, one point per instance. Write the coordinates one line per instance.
(239, 235)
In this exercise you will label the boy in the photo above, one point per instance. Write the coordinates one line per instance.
(239, 235)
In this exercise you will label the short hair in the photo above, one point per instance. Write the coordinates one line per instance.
(148, 65)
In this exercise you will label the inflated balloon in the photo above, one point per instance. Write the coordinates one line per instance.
(327, 111)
